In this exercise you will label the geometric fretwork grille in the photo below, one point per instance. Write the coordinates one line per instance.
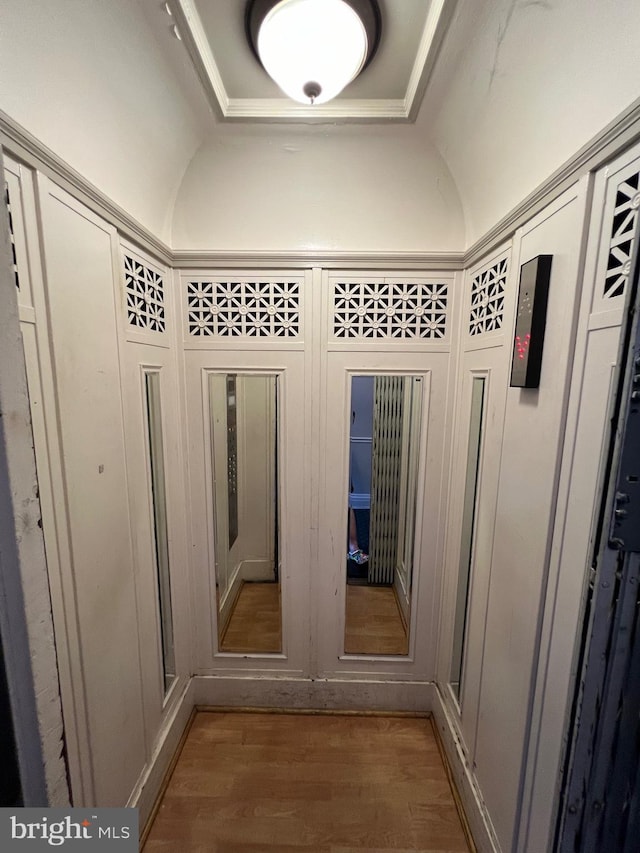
(487, 299)
(255, 309)
(391, 311)
(145, 296)
(625, 216)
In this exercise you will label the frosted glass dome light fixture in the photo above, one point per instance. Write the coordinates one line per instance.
(312, 49)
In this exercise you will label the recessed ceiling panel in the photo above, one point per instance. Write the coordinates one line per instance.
(390, 88)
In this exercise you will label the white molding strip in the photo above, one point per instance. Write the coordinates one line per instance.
(345, 110)
(612, 140)
(25, 147)
(435, 28)
(194, 259)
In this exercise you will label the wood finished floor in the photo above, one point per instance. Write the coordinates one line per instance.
(254, 625)
(373, 622)
(292, 783)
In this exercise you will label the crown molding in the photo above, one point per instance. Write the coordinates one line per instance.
(438, 20)
(405, 109)
(284, 109)
(307, 259)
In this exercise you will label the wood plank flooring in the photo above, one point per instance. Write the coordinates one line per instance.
(255, 625)
(373, 622)
(302, 783)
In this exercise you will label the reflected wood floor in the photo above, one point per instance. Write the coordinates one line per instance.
(299, 783)
(373, 622)
(254, 625)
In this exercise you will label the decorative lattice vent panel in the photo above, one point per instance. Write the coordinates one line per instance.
(390, 311)
(256, 309)
(145, 296)
(625, 216)
(487, 299)
(14, 259)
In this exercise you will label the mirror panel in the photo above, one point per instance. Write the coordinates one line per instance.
(468, 526)
(384, 439)
(158, 491)
(243, 411)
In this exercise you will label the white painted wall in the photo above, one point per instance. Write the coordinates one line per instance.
(520, 87)
(89, 80)
(253, 188)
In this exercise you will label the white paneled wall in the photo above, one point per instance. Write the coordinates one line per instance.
(613, 216)
(531, 452)
(93, 506)
(399, 323)
(248, 323)
(537, 492)
(485, 335)
(86, 342)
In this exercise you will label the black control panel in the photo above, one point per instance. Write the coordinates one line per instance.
(531, 318)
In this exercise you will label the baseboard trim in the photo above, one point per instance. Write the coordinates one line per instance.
(466, 828)
(155, 777)
(311, 694)
(473, 807)
(311, 712)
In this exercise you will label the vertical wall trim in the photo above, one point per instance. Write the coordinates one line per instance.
(25, 607)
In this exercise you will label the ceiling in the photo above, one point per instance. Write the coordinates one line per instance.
(391, 88)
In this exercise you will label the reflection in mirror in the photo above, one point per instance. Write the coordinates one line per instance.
(158, 490)
(383, 476)
(244, 414)
(468, 525)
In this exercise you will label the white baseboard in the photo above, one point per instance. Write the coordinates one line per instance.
(257, 570)
(474, 808)
(229, 598)
(148, 786)
(316, 694)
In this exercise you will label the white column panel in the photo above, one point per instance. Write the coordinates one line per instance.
(79, 272)
(532, 444)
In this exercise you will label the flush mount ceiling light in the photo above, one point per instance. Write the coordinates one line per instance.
(312, 49)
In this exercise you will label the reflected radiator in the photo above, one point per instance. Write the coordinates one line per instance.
(385, 478)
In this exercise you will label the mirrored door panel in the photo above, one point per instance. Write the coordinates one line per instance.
(467, 535)
(243, 412)
(384, 440)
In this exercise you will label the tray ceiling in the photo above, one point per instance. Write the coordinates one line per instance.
(390, 88)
